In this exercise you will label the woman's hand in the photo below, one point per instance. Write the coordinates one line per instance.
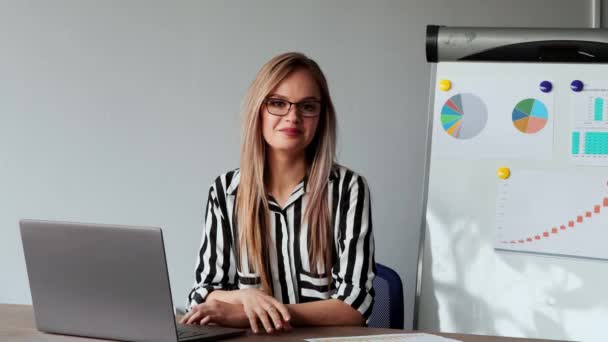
(218, 312)
(255, 305)
(258, 305)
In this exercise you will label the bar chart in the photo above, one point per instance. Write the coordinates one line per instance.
(589, 133)
(589, 108)
(599, 109)
(553, 214)
(590, 143)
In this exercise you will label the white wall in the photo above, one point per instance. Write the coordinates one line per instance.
(125, 111)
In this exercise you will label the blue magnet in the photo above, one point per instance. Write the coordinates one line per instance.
(576, 85)
(546, 86)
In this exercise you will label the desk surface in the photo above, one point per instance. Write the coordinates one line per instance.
(17, 324)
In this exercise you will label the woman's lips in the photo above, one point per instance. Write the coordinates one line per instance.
(292, 132)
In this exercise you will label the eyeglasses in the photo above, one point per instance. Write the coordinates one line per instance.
(308, 108)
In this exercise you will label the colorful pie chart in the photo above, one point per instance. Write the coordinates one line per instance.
(530, 116)
(463, 116)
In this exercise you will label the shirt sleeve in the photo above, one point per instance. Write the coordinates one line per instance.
(354, 270)
(214, 269)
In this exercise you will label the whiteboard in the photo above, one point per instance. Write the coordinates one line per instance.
(476, 277)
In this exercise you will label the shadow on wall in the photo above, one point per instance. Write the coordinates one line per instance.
(461, 291)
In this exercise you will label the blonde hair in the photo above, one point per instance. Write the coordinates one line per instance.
(252, 202)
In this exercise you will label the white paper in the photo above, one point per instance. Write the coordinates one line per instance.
(498, 137)
(416, 337)
(589, 134)
(553, 213)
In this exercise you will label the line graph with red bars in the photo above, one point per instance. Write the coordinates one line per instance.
(565, 215)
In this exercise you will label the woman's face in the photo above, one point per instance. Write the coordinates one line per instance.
(294, 131)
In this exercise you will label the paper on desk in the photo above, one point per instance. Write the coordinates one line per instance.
(416, 337)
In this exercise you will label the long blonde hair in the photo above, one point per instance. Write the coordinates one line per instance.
(252, 202)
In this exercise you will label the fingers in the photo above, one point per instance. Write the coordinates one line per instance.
(184, 318)
(275, 316)
(262, 308)
(196, 316)
(263, 317)
(205, 320)
(188, 315)
(282, 309)
(280, 315)
(253, 322)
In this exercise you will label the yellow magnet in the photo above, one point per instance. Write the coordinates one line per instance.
(445, 85)
(503, 172)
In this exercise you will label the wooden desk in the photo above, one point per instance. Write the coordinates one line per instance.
(17, 325)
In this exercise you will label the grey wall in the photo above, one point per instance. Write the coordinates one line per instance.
(604, 13)
(125, 111)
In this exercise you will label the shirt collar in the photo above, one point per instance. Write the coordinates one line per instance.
(234, 185)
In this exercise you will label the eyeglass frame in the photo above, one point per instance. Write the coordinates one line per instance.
(293, 103)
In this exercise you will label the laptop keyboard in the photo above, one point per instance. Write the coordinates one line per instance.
(184, 331)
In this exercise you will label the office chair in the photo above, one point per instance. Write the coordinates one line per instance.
(388, 304)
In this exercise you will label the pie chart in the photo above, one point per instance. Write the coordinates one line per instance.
(530, 116)
(463, 116)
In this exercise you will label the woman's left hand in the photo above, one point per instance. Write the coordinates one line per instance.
(218, 312)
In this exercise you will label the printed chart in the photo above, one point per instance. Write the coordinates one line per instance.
(589, 143)
(589, 136)
(464, 116)
(530, 116)
(553, 214)
(511, 119)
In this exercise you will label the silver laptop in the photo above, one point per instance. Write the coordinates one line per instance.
(104, 281)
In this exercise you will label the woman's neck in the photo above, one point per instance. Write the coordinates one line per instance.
(285, 172)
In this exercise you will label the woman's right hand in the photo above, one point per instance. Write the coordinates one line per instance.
(260, 306)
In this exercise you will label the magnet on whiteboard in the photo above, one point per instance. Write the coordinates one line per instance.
(503, 172)
(546, 86)
(577, 85)
(445, 85)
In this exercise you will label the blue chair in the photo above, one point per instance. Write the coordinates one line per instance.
(388, 305)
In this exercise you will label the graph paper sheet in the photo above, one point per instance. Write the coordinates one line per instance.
(387, 338)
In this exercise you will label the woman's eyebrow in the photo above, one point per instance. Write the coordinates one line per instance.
(277, 96)
(308, 98)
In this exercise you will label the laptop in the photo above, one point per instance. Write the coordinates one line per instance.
(104, 281)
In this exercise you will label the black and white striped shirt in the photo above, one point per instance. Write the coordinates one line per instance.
(292, 281)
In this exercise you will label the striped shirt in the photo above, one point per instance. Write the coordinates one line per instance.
(353, 263)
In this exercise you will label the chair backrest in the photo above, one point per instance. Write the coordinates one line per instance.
(388, 301)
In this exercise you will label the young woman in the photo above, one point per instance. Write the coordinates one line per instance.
(288, 236)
